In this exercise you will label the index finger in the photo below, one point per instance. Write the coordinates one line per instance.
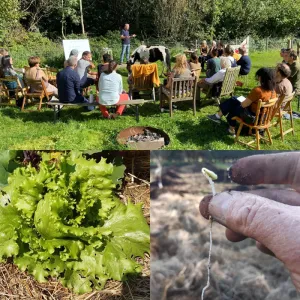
(278, 168)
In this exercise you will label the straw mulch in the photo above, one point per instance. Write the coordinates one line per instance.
(15, 284)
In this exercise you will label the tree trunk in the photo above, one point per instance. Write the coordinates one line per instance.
(81, 17)
(63, 19)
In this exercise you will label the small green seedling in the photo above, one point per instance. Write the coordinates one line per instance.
(209, 173)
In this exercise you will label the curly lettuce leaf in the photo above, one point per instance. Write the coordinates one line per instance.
(64, 220)
(7, 165)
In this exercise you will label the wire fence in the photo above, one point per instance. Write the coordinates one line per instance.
(54, 55)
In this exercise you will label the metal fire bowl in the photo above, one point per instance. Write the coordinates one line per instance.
(149, 145)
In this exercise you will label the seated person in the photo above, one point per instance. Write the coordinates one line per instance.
(213, 46)
(68, 83)
(295, 71)
(283, 85)
(36, 73)
(106, 58)
(3, 53)
(234, 108)
(220, 48)
(286, 55)
(8, 70)
(195, 66)
(83, 69)
(180, 70)
(203, 53)
(206, 83)
(74, 52)
(104, 66)
(213, 64)
(244, 61)
(228, 52)
(110, 90)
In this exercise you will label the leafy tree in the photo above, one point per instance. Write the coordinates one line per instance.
(10, 14)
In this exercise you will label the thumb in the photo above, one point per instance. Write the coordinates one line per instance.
(271, 223)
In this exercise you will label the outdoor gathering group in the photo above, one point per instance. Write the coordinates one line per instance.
(77, 76)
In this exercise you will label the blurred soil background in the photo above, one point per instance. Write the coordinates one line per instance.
(180, 236)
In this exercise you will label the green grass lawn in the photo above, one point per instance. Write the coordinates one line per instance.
(82, 130)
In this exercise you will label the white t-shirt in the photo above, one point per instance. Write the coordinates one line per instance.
(218, 77)
(110, 88)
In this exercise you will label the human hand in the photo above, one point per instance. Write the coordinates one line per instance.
(269, 216)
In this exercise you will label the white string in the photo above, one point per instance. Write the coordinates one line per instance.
(210, 239)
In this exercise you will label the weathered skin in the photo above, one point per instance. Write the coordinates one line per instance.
(271, 217)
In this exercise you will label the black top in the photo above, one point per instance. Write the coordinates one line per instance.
(101, 68)
(68, 85)
(245, 64)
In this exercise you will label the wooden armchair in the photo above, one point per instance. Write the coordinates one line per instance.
(19, 90)
(181, 90)
(43, 93)
(284, 106)
(263, 118)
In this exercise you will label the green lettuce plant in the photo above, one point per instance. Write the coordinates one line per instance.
(65, 221)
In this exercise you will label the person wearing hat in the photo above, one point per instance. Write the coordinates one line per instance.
(244, 61)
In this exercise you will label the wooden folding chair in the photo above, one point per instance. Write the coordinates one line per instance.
(5, 92)
(284, 106)
(143, 83)
(263, 118)
(181, 90)
(43, 93)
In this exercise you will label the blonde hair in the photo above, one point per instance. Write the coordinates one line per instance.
(225, 62)
(181, 64)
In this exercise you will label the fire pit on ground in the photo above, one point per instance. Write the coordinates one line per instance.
(143, 138)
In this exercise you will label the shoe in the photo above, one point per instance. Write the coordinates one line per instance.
(214, 118)
(231, 132)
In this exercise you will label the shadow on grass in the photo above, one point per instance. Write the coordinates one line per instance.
(46, 115)
(203, 133)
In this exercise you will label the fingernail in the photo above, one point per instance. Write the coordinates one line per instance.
(218, 207)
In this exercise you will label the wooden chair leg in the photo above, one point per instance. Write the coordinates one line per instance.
(23, 104)
(194, 101)
(281, 128)
(170, 107)
(153, 92)
(40, 104)
(257, 138)
(292, 120)
(269, 136)
(238, 133)
(160, 96)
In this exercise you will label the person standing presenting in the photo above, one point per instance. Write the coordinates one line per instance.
(125, 37)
